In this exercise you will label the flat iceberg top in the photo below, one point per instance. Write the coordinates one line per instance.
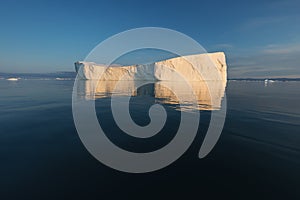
(207, 66)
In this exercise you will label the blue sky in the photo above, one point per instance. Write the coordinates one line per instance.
(260, 38)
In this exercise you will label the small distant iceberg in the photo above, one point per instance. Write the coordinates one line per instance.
(269, 81)
(13, 79)
(63, 79)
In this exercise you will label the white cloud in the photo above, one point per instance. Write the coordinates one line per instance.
(270, 60)
(258, 22)
(281, 49)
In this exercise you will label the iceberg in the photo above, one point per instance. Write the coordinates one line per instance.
(204, 67)
(13, 79)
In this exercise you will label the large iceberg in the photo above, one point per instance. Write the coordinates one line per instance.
(204, 67)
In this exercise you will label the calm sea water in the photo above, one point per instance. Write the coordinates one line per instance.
(42, 157)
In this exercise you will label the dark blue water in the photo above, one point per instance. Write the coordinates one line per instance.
(42, 157)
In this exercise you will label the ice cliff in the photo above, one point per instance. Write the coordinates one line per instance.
(209, 66)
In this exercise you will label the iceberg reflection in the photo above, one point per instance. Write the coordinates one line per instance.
(164, 92)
